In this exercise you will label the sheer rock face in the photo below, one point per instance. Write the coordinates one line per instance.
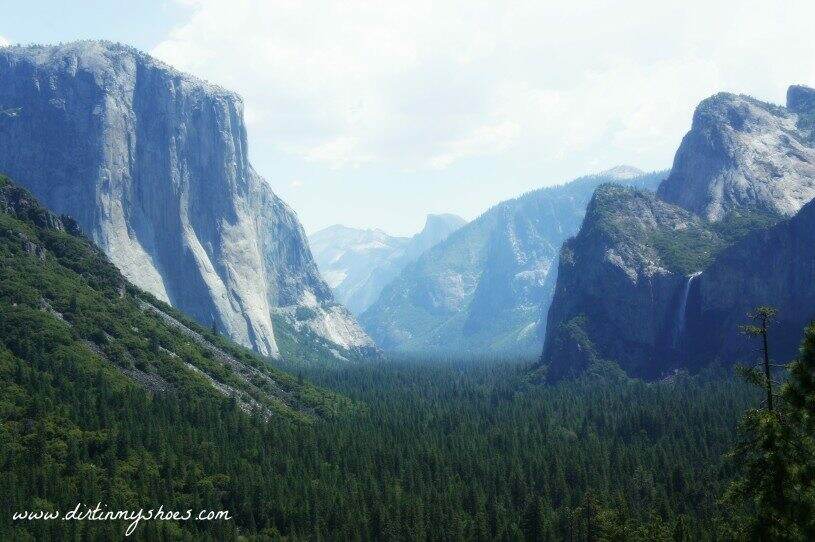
(657, 283)
(616, 292)
(152, 164)
(772, 267)
(358, 264)
(801, 101)
(745, 154)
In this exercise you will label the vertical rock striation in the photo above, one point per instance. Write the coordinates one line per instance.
(153, 165)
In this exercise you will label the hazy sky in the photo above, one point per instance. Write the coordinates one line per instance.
(373, 114)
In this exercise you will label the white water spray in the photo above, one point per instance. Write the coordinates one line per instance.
(681, 316)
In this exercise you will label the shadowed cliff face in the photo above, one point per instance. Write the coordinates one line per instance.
(659, 282)
(619, 283)
(153, 165)
(771, 267)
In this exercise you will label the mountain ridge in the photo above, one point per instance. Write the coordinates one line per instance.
(481, 290)
(66, 288)
(359, 263)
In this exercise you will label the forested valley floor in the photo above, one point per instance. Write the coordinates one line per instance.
(447, 450)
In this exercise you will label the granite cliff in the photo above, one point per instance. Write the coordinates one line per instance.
(62, 302)
(152, 164)
(619, 280)
(657, 282)
(741, 153)
(774, 266)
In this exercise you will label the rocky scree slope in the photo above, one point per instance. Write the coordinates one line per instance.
(152, 164)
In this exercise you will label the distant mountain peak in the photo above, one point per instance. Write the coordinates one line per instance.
(483, 288)
(622, 172)
(445, 221)
(358, 263)
(341, 229)
(444, 216)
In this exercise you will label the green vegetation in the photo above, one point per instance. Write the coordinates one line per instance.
(98, 403)
(735, 226)
(615, 216)
(694, 248)
(102, 399)
(301, 346)
(442, 452)
(55, 282)
(687, 250)
(473, 452)
(773, 494)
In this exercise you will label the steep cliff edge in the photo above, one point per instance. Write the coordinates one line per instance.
(153, 165)
(618, 283)
(770, 267)
(661, 282)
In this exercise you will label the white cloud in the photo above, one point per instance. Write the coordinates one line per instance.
(483, 140)
(4, 42)
(425, 84)
(296, 183)
(337, 152)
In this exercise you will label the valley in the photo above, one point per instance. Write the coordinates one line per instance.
(588, 360)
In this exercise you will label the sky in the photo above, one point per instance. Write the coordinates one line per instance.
(374, 114)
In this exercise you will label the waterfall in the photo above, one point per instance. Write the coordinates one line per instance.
(681, 316)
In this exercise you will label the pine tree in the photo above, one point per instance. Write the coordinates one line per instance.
(764, 316)
(773, 497)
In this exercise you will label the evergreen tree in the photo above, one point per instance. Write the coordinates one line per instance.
(763, 317)
(773, 496)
